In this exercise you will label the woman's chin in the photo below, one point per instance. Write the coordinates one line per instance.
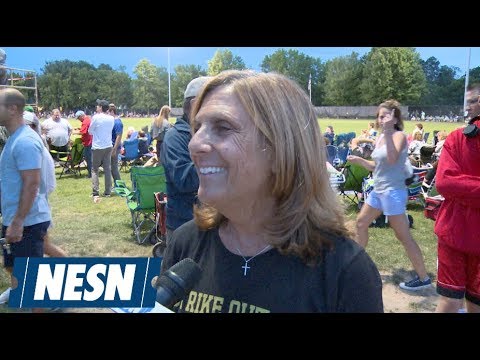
(208, 197)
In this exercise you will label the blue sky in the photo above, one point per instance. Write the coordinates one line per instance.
(34, 58)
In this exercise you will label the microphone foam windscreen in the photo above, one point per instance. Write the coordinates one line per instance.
(181, 277)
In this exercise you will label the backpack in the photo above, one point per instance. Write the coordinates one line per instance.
(161, 133)
(47, 172)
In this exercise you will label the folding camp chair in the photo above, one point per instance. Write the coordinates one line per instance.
(160, 224)
(146, 181)
(342, 153)
(331, 154)
(432, 202)
(130, 155)
(426, 154)
(344, 139)
(416, 193)
(72, 160)
(425, 137)
(352, 187)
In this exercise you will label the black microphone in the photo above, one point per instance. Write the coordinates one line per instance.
(177, 281)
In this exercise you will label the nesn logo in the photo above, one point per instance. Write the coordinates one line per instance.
(84, 282)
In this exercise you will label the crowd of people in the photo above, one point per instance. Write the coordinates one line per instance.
(251, 141)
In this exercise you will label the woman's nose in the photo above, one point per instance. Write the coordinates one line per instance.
(199, 141)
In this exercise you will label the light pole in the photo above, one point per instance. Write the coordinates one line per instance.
(467, 75)
(169, 90)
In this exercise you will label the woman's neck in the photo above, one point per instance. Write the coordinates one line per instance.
(242, 238)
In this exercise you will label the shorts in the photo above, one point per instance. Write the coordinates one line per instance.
(31, 244)
(391, 202)
(458, 274)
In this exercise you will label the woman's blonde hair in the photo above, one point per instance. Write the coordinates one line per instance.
(308, 214)
(164, 113)
(442, 135)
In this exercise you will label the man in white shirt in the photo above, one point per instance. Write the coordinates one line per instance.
(101, 129)
(57, 131)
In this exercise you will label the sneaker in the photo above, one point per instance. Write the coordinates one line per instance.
(5, 296)
(416, 284)
(106, 195)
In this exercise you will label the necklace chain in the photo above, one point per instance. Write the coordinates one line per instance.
(246, 267)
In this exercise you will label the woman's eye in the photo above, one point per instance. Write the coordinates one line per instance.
(223, 126)
(196, 126)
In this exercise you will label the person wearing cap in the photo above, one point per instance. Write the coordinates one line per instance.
(57, 131)
(86, 139)
(101, 130)
(180, 173)
(25, 211)
(49, 248)
(31, 120)
(36, 122)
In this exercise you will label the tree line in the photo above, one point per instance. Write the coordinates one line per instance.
(382, 73)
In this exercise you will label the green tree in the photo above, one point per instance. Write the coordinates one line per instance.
(343, 76)
(446, 89)
(392, 73)
(116, 87)
(183, 74)
(298, 66)
(150, 90)
(76, 85)
(224, 60)
(431, 68)
(67, 84)
(474, 76)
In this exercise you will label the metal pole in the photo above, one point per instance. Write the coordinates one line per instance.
(467, 75)
(169, 89)
(36, 93)
(310, 86)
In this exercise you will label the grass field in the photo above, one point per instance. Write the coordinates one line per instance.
(339, 125)
(85, 229)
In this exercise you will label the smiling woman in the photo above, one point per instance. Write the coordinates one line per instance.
(268, 232)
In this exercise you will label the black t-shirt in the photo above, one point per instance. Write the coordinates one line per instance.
(346, 280)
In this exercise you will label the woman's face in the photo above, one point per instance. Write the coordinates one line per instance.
(383, 116)
(231, 163)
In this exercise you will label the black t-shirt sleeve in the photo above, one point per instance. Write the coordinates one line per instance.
(360, 286)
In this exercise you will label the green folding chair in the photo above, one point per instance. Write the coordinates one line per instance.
(352, 187)
(146, 181)
(71, 161)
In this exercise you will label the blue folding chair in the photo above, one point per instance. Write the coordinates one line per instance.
(332, 154)
(130, 155)
(342, 152)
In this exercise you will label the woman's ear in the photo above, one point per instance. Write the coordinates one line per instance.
(269, 155)
(273, 167)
